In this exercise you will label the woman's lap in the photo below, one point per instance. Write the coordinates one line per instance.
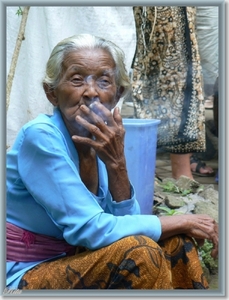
(135, 262)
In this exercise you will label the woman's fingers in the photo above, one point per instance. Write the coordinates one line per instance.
(214, 253)
(117, 116)
(200, 242)
(94, 115)
(210, 227)
(96, 130)
(215, 241)
(98, 112)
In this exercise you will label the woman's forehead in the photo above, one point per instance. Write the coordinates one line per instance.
(89, 59)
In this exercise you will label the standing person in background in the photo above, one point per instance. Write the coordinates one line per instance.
(208, 40)
(208, 37)
(167, 83)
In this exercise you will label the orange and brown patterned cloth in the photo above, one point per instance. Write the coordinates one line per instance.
(135, 262)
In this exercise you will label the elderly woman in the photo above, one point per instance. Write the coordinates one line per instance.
(73, 221)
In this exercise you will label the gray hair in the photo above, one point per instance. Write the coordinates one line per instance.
(77, 42)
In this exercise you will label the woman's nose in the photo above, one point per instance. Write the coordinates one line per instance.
(91, 88)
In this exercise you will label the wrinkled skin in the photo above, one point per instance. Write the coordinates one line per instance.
(198, 226)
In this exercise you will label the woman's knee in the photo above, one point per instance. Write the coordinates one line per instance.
(144, 262)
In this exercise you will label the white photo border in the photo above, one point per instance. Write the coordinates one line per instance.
(221, 291)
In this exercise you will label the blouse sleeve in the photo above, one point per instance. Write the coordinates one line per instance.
(53, 180)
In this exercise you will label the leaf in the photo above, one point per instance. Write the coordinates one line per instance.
(19, 11)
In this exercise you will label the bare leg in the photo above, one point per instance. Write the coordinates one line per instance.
(180, 164)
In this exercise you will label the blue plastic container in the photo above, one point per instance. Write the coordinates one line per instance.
(140, 151)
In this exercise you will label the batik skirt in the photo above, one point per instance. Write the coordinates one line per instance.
(135, 262)
(167, 77)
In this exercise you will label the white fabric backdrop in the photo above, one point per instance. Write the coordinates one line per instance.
(45, 27)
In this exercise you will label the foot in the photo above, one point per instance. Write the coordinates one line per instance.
(200, 168)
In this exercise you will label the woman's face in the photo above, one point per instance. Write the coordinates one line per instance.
(88, 76)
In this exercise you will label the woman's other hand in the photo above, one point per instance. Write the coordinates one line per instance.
(198, 226)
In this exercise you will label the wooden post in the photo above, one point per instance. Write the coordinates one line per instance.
(13, 65)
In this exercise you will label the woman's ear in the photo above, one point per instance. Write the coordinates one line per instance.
(50, 94)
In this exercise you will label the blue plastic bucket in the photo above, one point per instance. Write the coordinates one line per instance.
(140, 151)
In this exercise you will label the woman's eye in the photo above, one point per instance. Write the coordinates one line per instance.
(77, 80)
(103, 82)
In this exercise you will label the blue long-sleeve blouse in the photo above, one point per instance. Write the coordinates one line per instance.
(45, 194)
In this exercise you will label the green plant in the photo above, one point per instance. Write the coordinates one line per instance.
(205, 254)
(168, 211)
(186, 192)
(200, 188)
(19, 11)
(171, 187)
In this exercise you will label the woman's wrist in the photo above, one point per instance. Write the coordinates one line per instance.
(172, 225)
(119, 186)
